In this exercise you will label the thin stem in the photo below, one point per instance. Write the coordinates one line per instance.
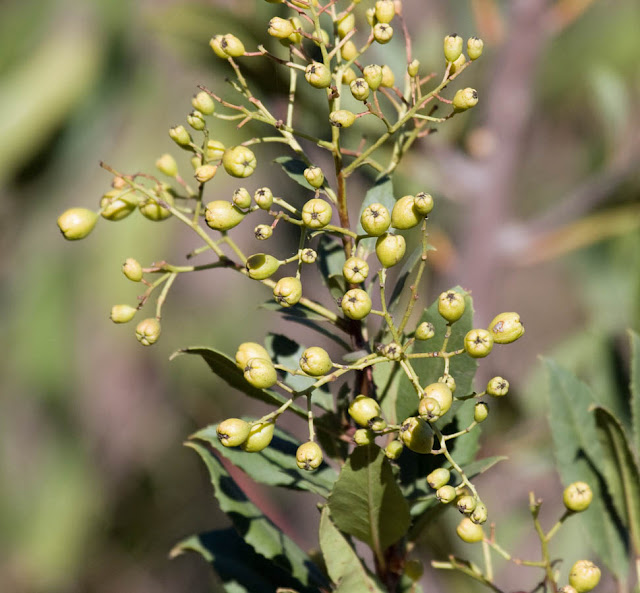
(163, 295)
(414, 287)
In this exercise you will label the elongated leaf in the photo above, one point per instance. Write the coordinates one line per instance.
(635, 388)
(294, 168)
(381, 192)
(407, 269)
(252, 525)
(621, 471)
(330, 257)
(366, 501)
(239, 567)
(579, 456)
(343, 564)
(227, 370)
(275, 465)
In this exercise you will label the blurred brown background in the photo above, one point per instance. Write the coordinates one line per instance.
(538, 211)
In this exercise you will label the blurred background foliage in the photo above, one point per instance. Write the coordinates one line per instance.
(538, 210)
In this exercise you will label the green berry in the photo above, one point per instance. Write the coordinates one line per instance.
(371, 16)
(577, 497)
(438, 478)
(382, 33)
(355, 270)
(167, 165)
(479, 514)
(318, 75)
(584, 576)
(425, 331)
(263, 197)
(451, 305)
(248, 350)
(446, 494)
(393, 450)
(116, 204)
(457, 65)
(153, 210)
(417, 435)
(222, 215)
(393, 351)
(364, 410)
(429, 409)
(232, 432)
(239, 161)
(388, 77)
(196, 120)
(363, 437)
(478, 343)
(232, 46)
(132, 269)
(414, 569)
(261, 373)
(469, 532)
(359, 89)
(348, 76)
(216, 45)
(423, 203)
(180, 136)
(349, 51)
(498, 387)
(356, 304)
(385, 11)
(287, 291)
(474, 47)
(203, 102)
(314, 176)
(308, 256)
(452, 47)
(375, 220)
(315, 361)
(205, 173)
(404, 215)
(449, 381)
(465, 99)
(309, 456)
(441, 393)
(390, 249)
(148, 331)
(413, 68)
(260, 436)
(295, 37)
(466, 504)
(122, 313)
(342, 118)
(77, 223)
(373, 75)
(261, 265)
(263, 232)
(316, 213)
(280, 28)
(215, 150)
(480, 412)
(241, 198)
(506, 328)
(346, 24)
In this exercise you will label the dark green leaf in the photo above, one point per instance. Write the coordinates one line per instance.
(343, 564)
(330, 257)
(366, 501)
(227, 370)
(635, 388)
(294, 168)
(254, 527)
(381, 192)
(275, 465)
(337, 285)
(407, 269)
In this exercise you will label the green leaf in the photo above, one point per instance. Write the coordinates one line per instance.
(226, 369)
(294, 168)
(366, 501)
(343, 564)
(381, 192)
(330, 257)
(407, 269)
(621, 471)
(579, 457)
(239, 567)
(635, 388)
(254, 527)
(275, 465)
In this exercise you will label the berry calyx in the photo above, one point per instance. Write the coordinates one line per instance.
(148, 331)
(356, 304)
(478, 343)
(390, 249)
(359, 89)
(382, 33)
(232, 432)
(261, 373)
(261, 265)
(375, 220)
(132, 269)
(416, 435)
(314, 176)
(497, 387)
(318, 75)
(355, 270)
(452, 47)
(451, 306)
(466, 504)
(438, 478)
(577, 497)
(429, 409)
(222, 215)
(404, 215)
(241, 198)
(423, 203)
(308, 256)
(316, 213)
(469, 532)
(506, 328)
(248, 350)
(239, 161)
(287, 291)
(309, 456)
(584, 576)
(122, 313)
(425, 331)
(315, 361)
(260, 436)
(263, 197)
(364, 410)
(77, 223)
(393, 351)
(263, 232)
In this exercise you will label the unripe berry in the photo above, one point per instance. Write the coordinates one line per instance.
(316, 213)
(446, 494)
(438, 478)
(404, 215)
(390, 249)
(413, 68)
(287, 291)
(116, 204)
(180, 136)
(451, 305)
(323, 39)
(348, 76)
(371, 16)
(474, 47)
(480, 412)
(132, 269)
(242, 198)
(452, 47)
(385, 11)
(449, 381)
(356, 304)
(393, 351)
(309, 456)
(584, 576)
(232, 46)
(280, 28)
(469, 532)
(153, 210)
(466, 504)
(148, 331)
(295, 37)
(342, 118)
(429, 409)
(261, 266)
(423, 203)
(308, 256)
(315, 361)
(388, 77)
(167, 165)
(393, 450)
(215, 150)
(262, 232)
(122, 313)
(318, 75)
(205, 173)
(216, 45)
(478, 343)
(375, 220)
(239, 161)
(479, 514)
(314, 176)
(414, 570)
(346, 24)
(373, 75)
(506, 328)
(203, 102)
(248, 350)
(259, 437)
(382, 33)
(77, 223)
(456, 66)
(232, 432)
(465, 99)
(577, 497)
(441, 393)
(425, 331)
(416, 435)
(261, 373)
(363, 437)
(196, 120)
(263, 197)
(364, 410)
(349, 51)
(498, 387)
(359, 89)
(221, 215)
(355, 270)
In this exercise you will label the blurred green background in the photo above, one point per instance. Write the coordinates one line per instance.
(538, 211)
